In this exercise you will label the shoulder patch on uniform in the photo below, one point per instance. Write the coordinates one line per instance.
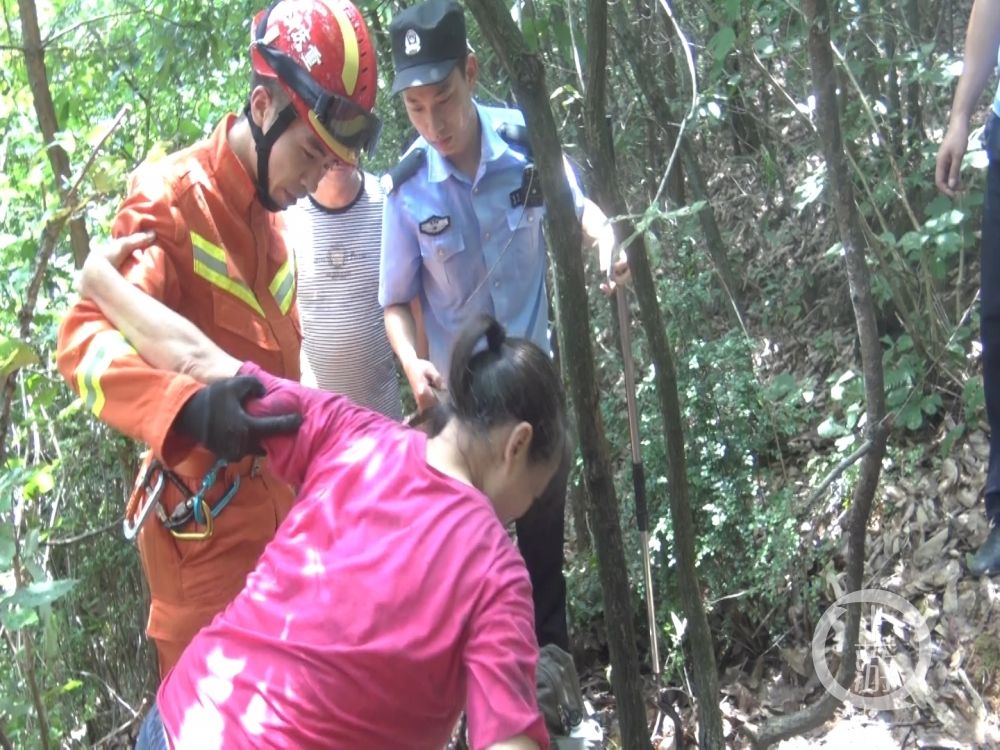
(516, 136)
(435, 225)
(408, 166)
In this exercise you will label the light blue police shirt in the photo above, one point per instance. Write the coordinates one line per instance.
(996, 96)
(463, 249)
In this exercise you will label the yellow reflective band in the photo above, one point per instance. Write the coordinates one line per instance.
(352, 56)
(204, 245)
(283, 286)
(210, 264)
(104, 348)
(350, 156)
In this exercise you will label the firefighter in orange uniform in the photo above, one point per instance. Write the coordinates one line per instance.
(218, 259)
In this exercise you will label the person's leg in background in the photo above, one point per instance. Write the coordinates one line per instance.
(540, 539)
(987, 559)
(151, 735)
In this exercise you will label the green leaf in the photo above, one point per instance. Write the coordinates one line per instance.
(40, 482)
(973, 395)
(780, 387)
(940, 205)
(15, 354)
(931, 404)
(16, 619)
(830, 428)
(723, 41)
(689, 210)
(911, 417)
(41, 592)
(71, 685)
(6, 546)
(949, 441)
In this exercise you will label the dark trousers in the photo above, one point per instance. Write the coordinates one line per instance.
(540, 539)
(990, 312)
(151, 736)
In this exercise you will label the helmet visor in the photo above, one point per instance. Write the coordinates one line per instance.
(346, 128)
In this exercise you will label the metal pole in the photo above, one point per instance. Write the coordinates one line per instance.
(638, 473)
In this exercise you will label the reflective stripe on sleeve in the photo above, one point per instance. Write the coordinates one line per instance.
(104, 348)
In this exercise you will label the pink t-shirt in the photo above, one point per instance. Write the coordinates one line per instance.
(390, 598)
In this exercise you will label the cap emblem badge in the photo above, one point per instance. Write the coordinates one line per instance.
(411, 43)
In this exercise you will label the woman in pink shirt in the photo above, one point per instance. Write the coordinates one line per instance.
(392, 597)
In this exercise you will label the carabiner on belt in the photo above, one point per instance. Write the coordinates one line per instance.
(152, 500)
(194, 507)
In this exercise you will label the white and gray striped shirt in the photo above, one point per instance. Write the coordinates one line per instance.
(344, 344)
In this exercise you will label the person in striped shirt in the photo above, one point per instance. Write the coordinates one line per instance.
(336, 236)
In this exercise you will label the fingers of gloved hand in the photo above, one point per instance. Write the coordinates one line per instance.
(276, 424)
(244, 387)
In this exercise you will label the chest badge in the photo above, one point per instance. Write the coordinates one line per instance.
(435, 225)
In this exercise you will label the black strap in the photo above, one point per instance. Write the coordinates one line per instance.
(263, 143)
(408, 166)
(516, 136)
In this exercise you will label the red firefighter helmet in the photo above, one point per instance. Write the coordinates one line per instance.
(322, 56)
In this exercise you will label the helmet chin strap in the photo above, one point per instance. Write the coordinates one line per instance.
(263, 143)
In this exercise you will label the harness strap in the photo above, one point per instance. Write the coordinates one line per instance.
(263, 143)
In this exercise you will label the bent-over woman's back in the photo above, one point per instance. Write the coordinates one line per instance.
(389, 584)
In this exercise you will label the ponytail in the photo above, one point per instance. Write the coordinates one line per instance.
(506, 380)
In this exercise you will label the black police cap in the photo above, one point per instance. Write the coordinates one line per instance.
(428, 40)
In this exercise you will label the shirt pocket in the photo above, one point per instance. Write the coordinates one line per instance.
(525, 225)
(447, 264)
(236, 318)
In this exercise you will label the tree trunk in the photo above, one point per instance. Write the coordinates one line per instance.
(914, 111)
(868, 53)
(38, 80)
(853, 240)
(528, 81)
(609, 195)
(894, 103)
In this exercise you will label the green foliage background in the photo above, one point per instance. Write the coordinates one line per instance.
(769, 409)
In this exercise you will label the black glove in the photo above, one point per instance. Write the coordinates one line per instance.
(215, 417)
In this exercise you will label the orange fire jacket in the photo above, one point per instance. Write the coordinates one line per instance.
(219, 260)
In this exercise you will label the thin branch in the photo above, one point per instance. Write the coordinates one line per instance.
(689, 58)
(86, 22)
(85, 535)
(28, 656)
(71, 195)
(114, 693)
(839, 469)
(138, 714)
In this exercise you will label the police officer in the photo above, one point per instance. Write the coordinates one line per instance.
(462, 232)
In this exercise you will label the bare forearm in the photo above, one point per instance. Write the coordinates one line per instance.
(401, 330)
(981, 43)
(598, 232)
(163, 338)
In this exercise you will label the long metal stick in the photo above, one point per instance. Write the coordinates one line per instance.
(638, 473)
